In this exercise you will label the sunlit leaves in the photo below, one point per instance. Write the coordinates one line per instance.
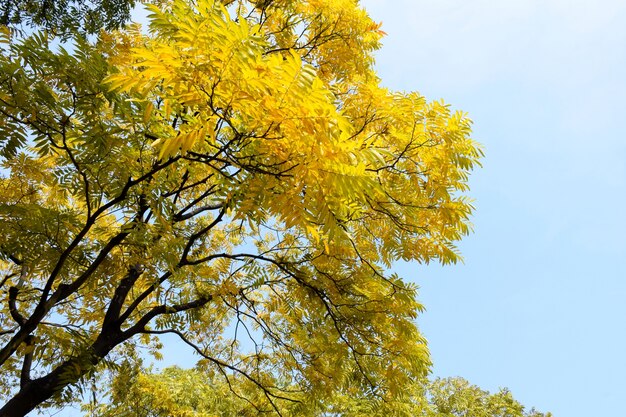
(235, 177)
(177, 392)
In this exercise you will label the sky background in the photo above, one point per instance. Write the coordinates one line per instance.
(538, 306)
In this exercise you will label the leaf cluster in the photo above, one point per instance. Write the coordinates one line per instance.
(191, 393)
(66, 17)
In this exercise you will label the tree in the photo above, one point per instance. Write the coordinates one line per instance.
(236, 178)
(456, 397)
(66, 17)
(175, 392)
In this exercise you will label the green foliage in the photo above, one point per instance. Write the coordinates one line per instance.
(192, 393)
(455, 397)
(65, 17)
(172, 393)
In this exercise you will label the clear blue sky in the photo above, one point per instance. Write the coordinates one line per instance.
(539, 305)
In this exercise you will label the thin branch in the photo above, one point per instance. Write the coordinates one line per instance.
(15, 314)
(9, 331)
(6, 278)
(143, 296)
(64, 290)
(193, 238)
(181, 217)
(141, 324)
(268, 394)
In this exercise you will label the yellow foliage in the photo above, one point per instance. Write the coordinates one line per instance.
(238, 177)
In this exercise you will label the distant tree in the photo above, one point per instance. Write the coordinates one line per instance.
(65, 17)
(238, 179)
(174, 392)
(192, 393)
(456, 397)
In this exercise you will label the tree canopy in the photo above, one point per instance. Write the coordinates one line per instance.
(236, 177)
(175, 392)
(66, 17)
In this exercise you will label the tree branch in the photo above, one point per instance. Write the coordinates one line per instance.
(221, 364)
(141, 324)
(198, 234)
(64, 290)
(28, 361)
(15, 314)
(181, 215)
(119, 296)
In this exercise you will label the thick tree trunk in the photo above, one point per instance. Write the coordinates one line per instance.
(30, 396)
(39, 390)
